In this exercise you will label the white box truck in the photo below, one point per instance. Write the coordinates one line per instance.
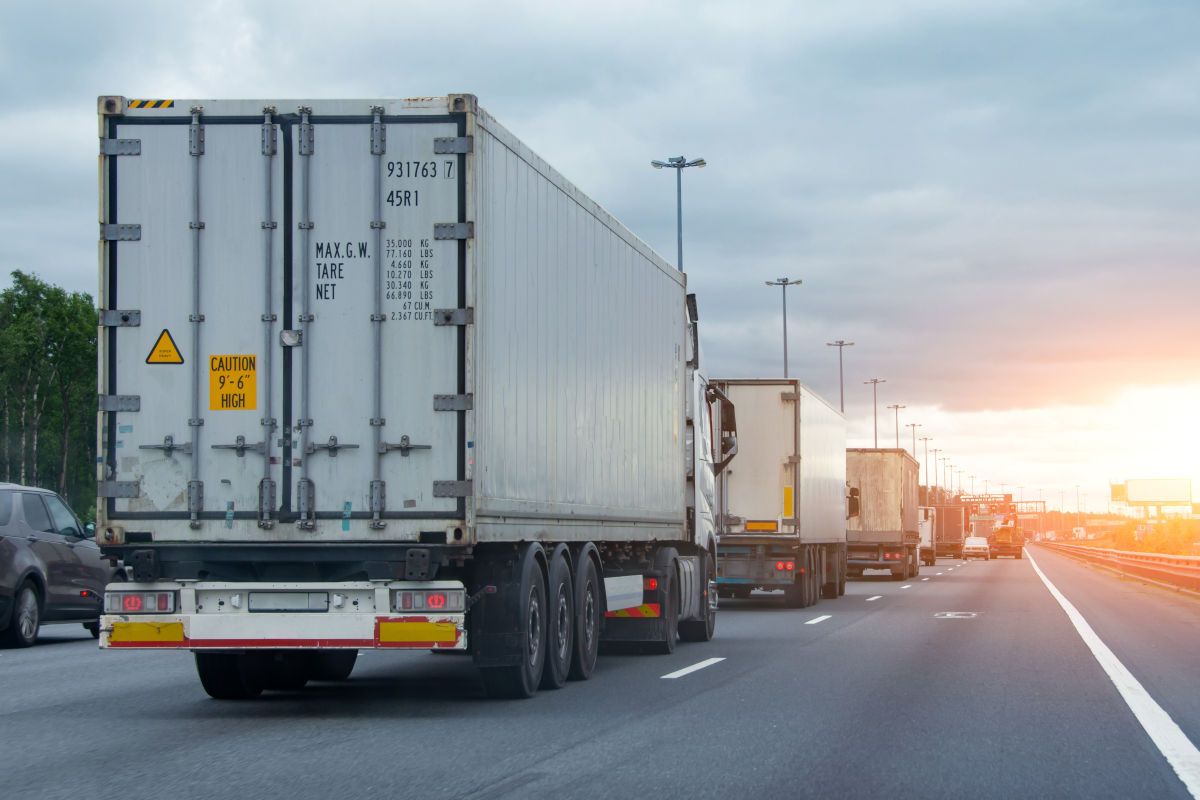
(782, 505)
(885, 534)
(374, 375)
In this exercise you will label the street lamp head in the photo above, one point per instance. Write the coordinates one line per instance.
(699, 162)
(657, 164)
(678, 161)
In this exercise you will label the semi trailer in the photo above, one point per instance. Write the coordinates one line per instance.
(374, 376)
(782, 508)
(927, 525)
(885, 534)
(951, 524)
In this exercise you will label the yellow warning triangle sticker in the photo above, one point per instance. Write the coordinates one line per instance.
(164, 351)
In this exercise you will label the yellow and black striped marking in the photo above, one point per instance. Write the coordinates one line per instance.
(151, 103)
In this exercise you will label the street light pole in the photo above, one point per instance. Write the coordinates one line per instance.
(972, 484)
(679, 164)
(784, 283)
(875, 407)
(914, 426)
(936, 450)
(840, 344)
(928, 494)
(897, 407)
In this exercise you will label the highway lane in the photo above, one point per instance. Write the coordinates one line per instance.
(881, 699)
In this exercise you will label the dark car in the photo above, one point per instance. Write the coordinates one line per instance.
(50, 570)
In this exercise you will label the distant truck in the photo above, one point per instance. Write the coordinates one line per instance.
(951, 525)
(1007, 539)
(782, 508)
(885, 534)
(927, 525)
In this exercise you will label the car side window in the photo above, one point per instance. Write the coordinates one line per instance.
(35, 513)
(64, 520)
(6, 505)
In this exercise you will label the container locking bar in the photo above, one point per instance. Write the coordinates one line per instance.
(332, 447)
(196, 150)
(378, 148)
(305, 490)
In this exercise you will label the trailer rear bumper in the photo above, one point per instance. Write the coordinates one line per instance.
(241, 617)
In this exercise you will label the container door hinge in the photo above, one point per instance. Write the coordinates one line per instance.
(452, 145)
(789, 397)
(120, 147)
(120, 402)
(120, 318)
(454, 316)
(452, 402)
(266, 502)
(195, 492)
(305, 500)
(451, 488)
(114, 232)
(378, 497)
(117, 489)
(454, 230)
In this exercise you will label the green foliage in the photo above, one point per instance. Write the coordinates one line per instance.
(48, 382)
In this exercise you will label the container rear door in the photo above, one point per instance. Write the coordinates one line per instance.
(287, 357)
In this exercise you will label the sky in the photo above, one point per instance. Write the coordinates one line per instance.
(995, 200)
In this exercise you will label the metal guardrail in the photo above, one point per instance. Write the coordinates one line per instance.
(1175, 572)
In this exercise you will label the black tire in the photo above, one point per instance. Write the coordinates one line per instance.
(899, 576)
(229, 676)
(285, 671)
(332, 665)
(93, 628)
(829, 589)
(841, 573)
(796, 594)
(560, 618)
(665, 561)
(22, 630)
(589, 615)
(702, 630)
(1017, 555)
(521, 680)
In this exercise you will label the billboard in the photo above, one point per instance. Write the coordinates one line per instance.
(1159, 491)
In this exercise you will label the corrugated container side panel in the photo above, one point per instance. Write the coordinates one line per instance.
(579, 388)
(822, 470)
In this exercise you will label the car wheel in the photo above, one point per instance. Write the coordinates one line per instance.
(22, 630)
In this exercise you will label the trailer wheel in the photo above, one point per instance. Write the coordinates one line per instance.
(665, 561)
(228, 676)
(841, 572)
(521, 680)
(588, 616)
(701, 630)
(1017, 555)
(333, 665)
(560, 618)
(796, 595)
(829, 589)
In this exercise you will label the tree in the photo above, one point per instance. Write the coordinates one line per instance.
(48, 378)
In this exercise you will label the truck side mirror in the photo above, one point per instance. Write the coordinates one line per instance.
(852, 503)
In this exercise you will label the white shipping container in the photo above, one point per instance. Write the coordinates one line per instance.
(286, 287)
(788, 437)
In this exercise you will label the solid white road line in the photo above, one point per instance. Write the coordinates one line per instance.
(876, 597)
(679, 673)
(1172, 742)
(819, 619)
(906, 586)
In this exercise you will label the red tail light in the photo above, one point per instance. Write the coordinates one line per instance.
(436, 600)
(132, 603)
(650, 584)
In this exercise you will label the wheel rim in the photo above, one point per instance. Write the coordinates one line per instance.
(27, 615)
(562, 635)
(589, 615)
(534, 628)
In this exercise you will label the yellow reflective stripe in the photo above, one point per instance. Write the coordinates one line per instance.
(129, 632)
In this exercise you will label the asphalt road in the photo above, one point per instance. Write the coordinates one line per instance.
(881, 699)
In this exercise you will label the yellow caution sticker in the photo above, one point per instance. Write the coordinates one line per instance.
(165, 351)
(232, 382)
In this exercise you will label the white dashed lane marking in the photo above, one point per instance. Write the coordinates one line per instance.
(679, 673)
(821, 618)
(876, 597)
(906, 586)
